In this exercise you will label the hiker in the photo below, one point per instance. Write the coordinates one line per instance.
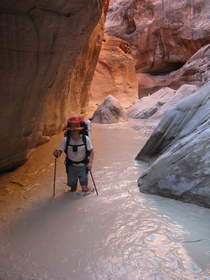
(79, 153)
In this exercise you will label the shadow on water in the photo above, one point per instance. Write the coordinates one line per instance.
(49, 209)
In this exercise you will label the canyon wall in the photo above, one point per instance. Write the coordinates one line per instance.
(163, 34)
(115, 74)
(48, 53)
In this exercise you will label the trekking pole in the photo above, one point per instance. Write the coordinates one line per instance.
(94, 184)
(54, 177)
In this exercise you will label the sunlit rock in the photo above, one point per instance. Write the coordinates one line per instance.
(110, 111)
(115, 73)
(48, 54)
(182, 144)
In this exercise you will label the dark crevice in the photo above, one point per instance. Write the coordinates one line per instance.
(125, 47)
(167, 69)
(68, 14)
(131, 25)
(30, 11)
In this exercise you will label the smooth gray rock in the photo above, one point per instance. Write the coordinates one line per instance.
(110, 111)
(182, 142)
(178, 122)
(156, 104)
(149, 105)
(183, 92)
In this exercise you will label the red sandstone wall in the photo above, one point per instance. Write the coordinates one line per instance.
(47, 62)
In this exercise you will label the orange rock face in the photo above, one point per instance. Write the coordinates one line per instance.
(164, 34)
(115, 73)
(195, 72)
(48, 54)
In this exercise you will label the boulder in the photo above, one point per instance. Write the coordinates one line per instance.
(48, 54)
(110, 111)
(156, 104)
(180, 150)
(115, 74)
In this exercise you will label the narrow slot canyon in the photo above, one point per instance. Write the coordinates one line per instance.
(125, 84)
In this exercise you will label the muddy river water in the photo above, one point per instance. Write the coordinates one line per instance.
(120, 235)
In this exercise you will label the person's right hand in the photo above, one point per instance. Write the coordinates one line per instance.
(89, 166)
(57, 153)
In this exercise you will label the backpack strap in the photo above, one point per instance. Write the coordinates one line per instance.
(85, 160)
(85, 142)
(67, 143)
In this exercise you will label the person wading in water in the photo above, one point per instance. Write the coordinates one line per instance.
(79, 154)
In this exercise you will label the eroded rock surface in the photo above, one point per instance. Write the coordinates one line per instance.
(115, 73)
(48, 54)
(164, 34)
(110, 111)
(195, 71)
(182, 142)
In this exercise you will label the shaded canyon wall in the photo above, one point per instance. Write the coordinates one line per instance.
(48, 53)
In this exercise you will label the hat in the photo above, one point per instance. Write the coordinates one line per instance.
(74, 124)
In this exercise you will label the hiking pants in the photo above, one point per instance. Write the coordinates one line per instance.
(75, 173)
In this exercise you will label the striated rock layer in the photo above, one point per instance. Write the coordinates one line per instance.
(115, 73)
(163, 34)
(181, 144)
(48, 53)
